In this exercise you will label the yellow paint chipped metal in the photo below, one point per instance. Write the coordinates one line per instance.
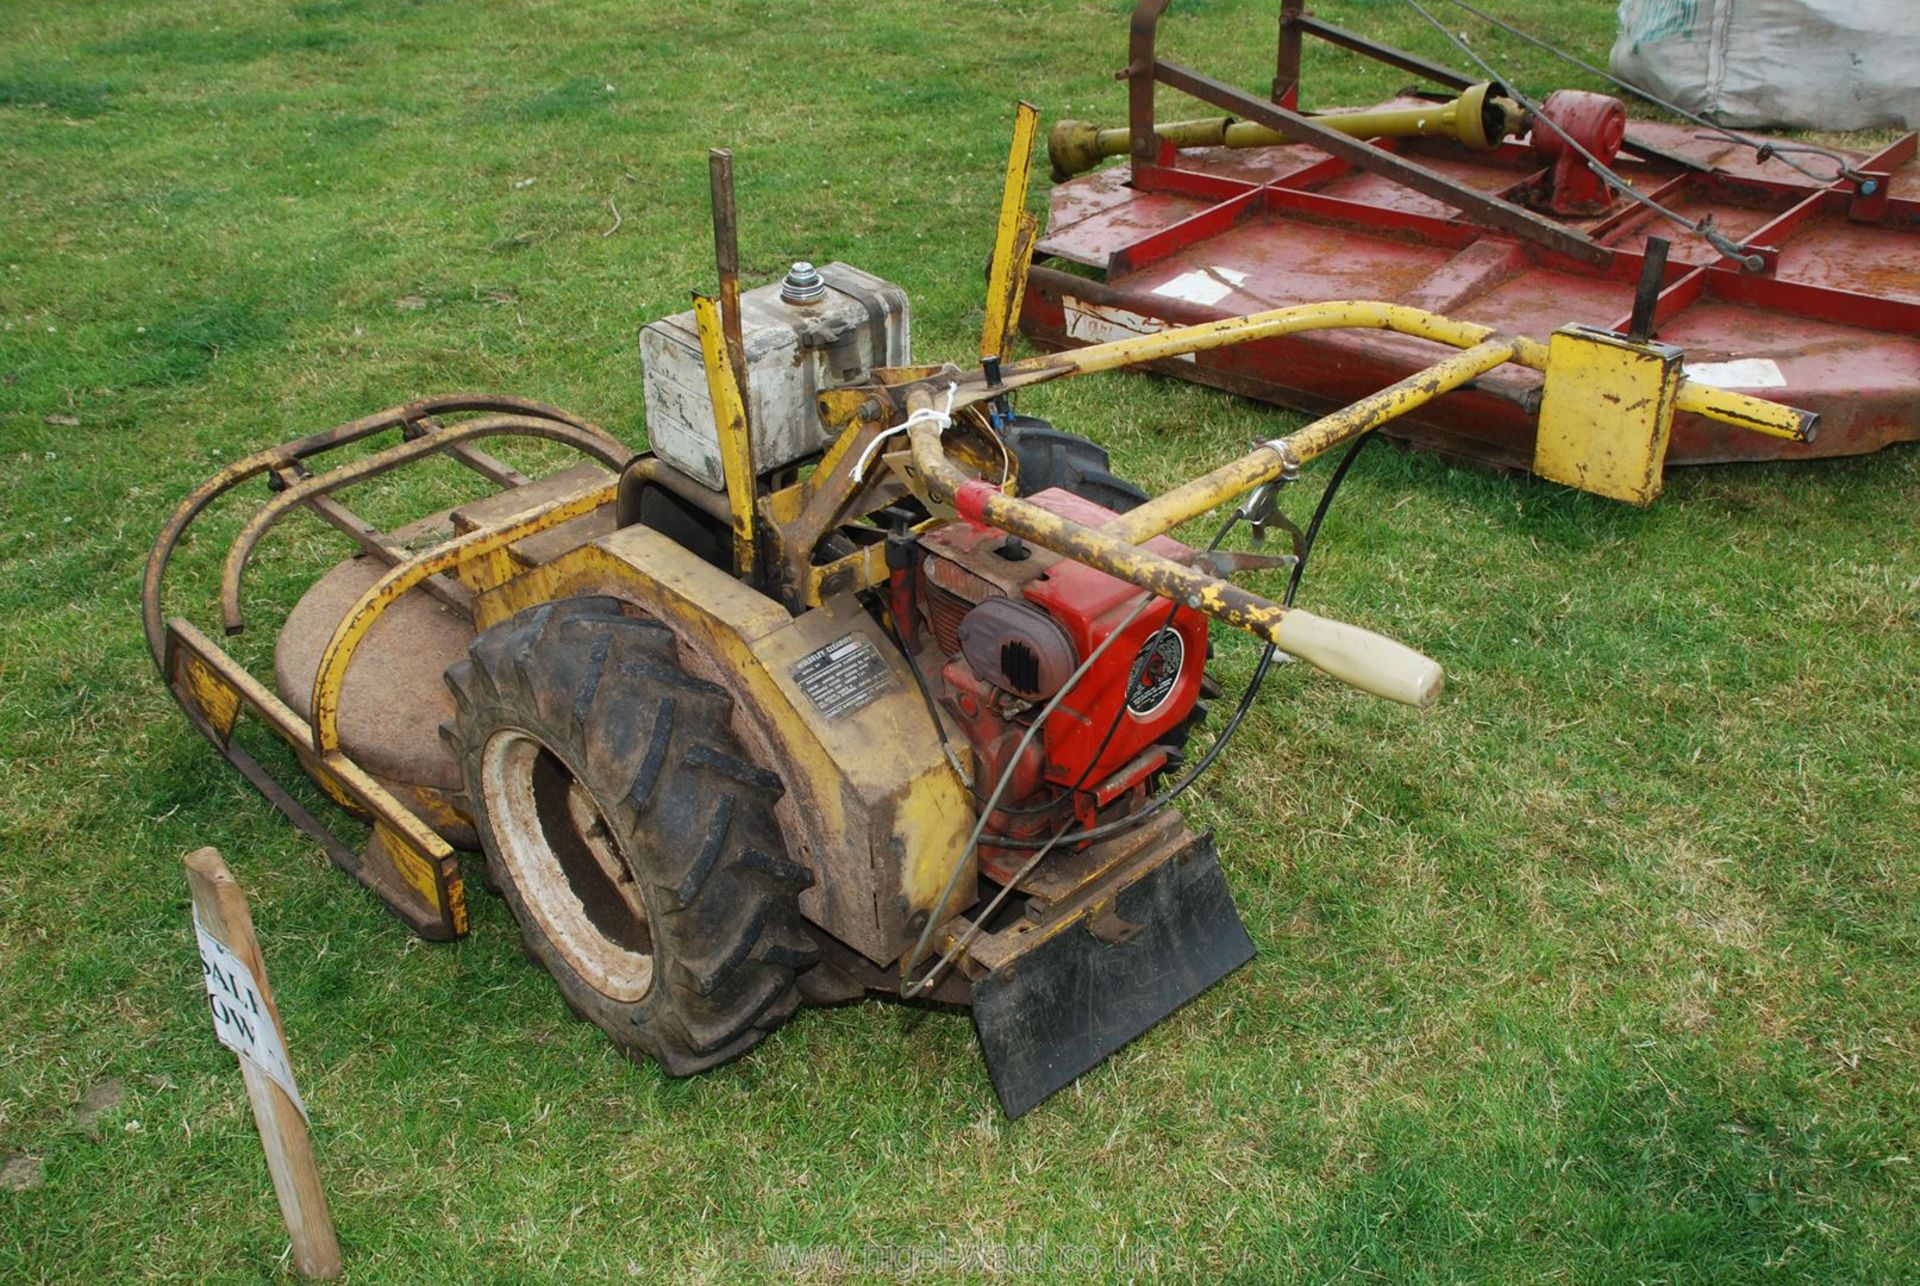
(1606, 412)
(1012, 238)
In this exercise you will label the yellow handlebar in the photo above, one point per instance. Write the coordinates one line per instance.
(1367, 661)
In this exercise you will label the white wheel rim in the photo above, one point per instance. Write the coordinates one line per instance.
(571, 875)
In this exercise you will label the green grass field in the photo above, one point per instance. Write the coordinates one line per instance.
(1604, 970)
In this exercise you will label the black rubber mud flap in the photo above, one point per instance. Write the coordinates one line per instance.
(1059, 1009)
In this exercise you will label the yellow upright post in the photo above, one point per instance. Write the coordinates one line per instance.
(730, 419)
(1013, 237)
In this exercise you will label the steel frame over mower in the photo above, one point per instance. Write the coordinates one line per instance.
(896, 715)
(1790, 269)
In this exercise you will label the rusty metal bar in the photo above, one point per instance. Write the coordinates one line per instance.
(1502, 216)
(1286, 58)
(278, 796)
(1139, 74)
(373, 541)
(1646, 295)
(492, 468)
(1281, 456)
(653, 471)
(726, 257)
(1307, 24)
(592, 443)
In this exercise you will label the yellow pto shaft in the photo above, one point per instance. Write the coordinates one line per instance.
(1478, 118)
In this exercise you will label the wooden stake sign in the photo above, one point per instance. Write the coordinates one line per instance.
(246, 1022)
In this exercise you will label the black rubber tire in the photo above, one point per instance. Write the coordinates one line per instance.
(1051, 457)
(688, 815)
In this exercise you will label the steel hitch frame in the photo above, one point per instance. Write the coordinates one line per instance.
(406, 861)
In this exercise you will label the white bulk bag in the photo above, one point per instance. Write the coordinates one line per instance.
(1799, 64)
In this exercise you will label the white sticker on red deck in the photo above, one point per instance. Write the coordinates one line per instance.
(1102, 323)
(1744, 372)
(240, 1016)
(1203, 287)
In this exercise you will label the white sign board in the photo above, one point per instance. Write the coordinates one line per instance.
(240, 1017)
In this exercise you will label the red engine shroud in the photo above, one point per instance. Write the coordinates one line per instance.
(1149, 678)
(1141, 688)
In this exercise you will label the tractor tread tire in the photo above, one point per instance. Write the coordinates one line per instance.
(1051, 457)
(691, 813)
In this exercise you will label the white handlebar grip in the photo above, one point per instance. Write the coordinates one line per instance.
(1368, 661)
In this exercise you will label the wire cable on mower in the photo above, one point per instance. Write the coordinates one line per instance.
(1213, 751)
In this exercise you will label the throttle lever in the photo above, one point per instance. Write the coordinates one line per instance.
(1228, 562)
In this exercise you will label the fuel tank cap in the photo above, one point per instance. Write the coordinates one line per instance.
(803, 285)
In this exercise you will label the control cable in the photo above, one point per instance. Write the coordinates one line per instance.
(1067, 835)
(1769, 149)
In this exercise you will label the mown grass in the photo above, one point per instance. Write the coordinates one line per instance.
(1605, 970)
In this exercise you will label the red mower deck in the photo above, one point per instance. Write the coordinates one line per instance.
(1829, 321)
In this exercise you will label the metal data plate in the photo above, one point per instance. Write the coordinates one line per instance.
(1058, 1010)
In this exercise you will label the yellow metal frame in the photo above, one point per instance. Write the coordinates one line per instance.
(1357, 656)
(730, 421)
(420, 877)
(1013, 237)
(406, 861)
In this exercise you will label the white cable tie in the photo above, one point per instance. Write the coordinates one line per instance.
(926, 415)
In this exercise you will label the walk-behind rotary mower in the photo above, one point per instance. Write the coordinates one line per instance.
(857, 682)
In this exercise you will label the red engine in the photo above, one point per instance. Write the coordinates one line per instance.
(1010, 624)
